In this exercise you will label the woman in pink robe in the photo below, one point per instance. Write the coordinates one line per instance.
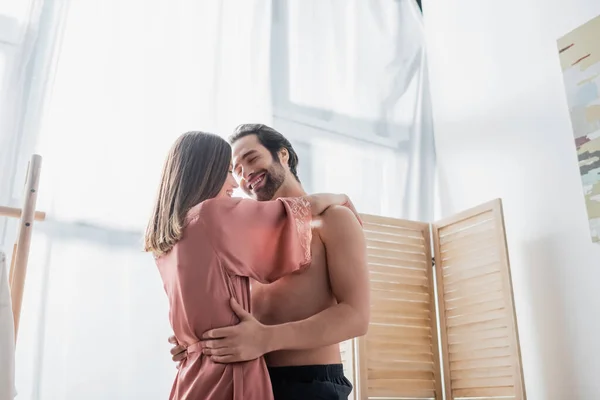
(207, 245)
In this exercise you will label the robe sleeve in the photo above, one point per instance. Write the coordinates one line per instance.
(262, 240)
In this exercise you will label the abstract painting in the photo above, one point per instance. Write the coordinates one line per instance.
(579, 53)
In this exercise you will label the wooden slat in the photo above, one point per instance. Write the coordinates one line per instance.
(410, 394)
(481, 354)
(474, 292)
(396, 270)
(393, 262)
(474, 252)
(397, 255)
(380, 293)
(471, 319)
(390, 230)
(503, 381)
(459, 239)
(457, 244)
(472, 273)
(402, 384)
(470, 300)
(467, 265)
(452, 266)
(398, 283)
(401, 338)
(396, 353)
(486, 392)
(458, 338)
(504, 361)
(400, 367)
(400, 332)
(399, 356)
(395, 318)
(404, 348)
(483, 324)
(374, 234)
(468, 222)
(398, 276)
(474, 285)
(495, 372)
(468, 235)
(411, 228)
(390, 245)
(402, 307)
(392, 374)
(478, 308)
(480, 346)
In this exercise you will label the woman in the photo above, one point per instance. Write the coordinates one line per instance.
(207, 245)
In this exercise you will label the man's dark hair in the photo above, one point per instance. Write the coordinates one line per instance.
(271, 139)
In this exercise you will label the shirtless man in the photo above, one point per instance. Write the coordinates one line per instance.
(298, 321)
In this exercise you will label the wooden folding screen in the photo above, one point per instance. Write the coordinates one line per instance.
(399, 355)
(480, 355)
(480, 343)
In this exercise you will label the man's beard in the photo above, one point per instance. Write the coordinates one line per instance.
(274, 178)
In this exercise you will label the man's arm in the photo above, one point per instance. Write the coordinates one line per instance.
(345, 246)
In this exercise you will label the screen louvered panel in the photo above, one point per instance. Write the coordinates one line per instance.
(480, 344)
(399, 355)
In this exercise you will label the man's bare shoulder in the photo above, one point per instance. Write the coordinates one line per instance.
(337, 219)
(338, 214)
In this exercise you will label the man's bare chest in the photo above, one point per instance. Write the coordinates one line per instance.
(296, 296)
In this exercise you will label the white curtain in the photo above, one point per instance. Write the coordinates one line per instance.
(131, 76)
(350, 86)
(29, 30)
(342, 79)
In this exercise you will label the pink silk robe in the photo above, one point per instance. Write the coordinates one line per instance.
(225, 242)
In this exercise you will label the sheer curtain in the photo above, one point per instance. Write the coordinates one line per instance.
(28, 34)
(131, 76)
(343, 79)
(350, 88)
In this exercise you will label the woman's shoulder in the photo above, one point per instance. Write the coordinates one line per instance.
(212, 207)
(218, 204)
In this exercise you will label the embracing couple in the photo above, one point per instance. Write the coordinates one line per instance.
(282, 275)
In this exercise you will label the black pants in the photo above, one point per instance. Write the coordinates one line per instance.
(310, 382)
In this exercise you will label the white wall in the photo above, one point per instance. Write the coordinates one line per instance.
(503, 130)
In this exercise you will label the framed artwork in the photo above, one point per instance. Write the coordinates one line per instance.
(579, 53)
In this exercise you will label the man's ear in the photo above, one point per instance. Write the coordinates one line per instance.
(284, 156)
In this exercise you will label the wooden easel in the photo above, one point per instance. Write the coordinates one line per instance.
(20, 255)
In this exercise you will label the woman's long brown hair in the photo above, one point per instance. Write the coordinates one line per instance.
(195, 170)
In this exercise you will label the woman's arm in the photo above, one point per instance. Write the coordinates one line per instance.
(265, 240)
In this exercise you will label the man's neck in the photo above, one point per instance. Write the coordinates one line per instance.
(293, 188)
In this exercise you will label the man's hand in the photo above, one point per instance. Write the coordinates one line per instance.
(178, 352)
(245, 341)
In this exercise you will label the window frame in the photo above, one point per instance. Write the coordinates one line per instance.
(331, 123)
